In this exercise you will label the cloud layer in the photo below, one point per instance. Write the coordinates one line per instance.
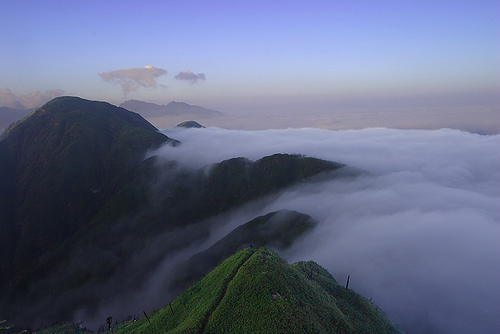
(28, 101)
(419, 234)
(190, 76)
(132, 79)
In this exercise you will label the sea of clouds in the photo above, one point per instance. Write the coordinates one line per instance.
(418, 233)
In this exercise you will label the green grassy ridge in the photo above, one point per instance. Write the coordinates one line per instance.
(256, 291)
(277, 230)
(192, 308)
(357, 309)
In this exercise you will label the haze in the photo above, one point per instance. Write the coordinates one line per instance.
(336, 65)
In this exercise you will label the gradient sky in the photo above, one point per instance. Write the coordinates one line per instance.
(258, 54)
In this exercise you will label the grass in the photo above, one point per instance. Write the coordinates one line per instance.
(255, 291)
(193, 306)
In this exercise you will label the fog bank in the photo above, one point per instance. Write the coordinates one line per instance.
(419, 234)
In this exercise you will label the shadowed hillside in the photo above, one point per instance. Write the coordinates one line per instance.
(59, 163)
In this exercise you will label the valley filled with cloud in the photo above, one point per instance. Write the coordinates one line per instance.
(418, 232)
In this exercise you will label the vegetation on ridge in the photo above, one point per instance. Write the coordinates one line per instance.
(255, 291)
(277, 230)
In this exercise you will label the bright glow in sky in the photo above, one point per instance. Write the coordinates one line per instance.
(257, 54)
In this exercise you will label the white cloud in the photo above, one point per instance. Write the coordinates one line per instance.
(419, 234)
(190, 76)
(132, 79)
(28, 101)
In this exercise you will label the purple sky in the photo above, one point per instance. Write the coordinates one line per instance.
(266, 56)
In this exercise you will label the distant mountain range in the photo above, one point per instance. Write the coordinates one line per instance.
(178, 111)
(85, 219)
(149, 110)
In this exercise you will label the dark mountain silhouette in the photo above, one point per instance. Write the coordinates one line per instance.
(81, 207)
(57, 171)
(173, 108)
(190, 124)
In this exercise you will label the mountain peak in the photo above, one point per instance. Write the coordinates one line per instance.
(79, 111)
(190, 124)
(255, 289)
(60, 162)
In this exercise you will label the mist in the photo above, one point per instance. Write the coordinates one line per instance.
(418, 233)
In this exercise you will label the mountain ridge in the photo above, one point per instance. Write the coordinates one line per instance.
(256, 291)
(173, 108)
(277, 230)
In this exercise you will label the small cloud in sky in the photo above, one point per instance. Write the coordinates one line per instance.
(28, 101)
(131, 79)
(190, 76)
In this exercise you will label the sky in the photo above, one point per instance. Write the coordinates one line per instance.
(255, 56)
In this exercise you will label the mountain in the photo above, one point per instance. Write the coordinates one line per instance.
(255, 291)
(9, 115)
(149, 110)
(57, 170)
(190, 124)
(277, 230)
(85, 217)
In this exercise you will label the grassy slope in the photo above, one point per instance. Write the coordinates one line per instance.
(276, 230)
(195, 305)
(255, 291)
